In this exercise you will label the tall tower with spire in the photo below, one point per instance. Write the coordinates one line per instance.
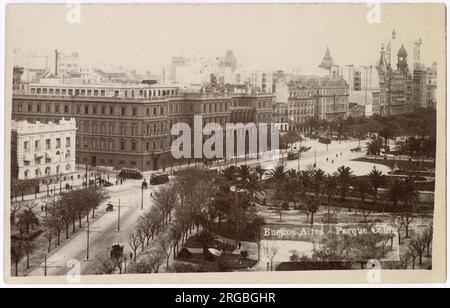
(327, 62)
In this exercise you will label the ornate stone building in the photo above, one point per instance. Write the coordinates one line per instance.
(43, 149)
(396, 85)
(130, 125)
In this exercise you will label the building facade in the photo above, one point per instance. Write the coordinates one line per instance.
(130, 126)
(396, 85)
(323, 98)
(43, 149)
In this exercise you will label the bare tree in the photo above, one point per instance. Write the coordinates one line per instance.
(134, 242)
(413, 254)
(166, 245)
(107, 267)
(419, 244)
(406, 218)
(428, 237)
(17, 253)
(270, 250)
(150, 263)
(28, 247)
(398, 225)
(16, 206)
(405, 259)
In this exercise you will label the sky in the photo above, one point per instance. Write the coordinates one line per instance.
(262, 36)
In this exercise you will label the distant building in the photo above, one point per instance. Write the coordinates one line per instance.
(323, 98)
(425, 86)
(357, 80)
(43, 149)
(130, 125)
(396, 85)
(356, 111)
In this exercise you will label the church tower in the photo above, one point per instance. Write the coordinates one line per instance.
(402, 60)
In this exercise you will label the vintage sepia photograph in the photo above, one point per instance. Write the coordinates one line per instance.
(148, 140)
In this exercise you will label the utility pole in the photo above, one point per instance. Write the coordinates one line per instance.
(45, 265)
(118, 217)
(87, 239)
(315, 158)
(142, 196)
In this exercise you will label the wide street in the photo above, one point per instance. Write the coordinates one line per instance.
(103, 232)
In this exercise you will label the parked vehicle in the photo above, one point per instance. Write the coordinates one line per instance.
(159, 178)
(130, 174)
(109, 207)
(293, 156)
(324, 140)
(357, 149)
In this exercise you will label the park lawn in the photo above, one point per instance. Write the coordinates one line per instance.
(232, 262)
(405, 165)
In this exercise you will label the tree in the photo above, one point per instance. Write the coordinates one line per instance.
(165, 199)
(150, 263)
(318, 176)
(413, 254)
(261, 172)
(362, 186)
(16, 206)
(28, 248)
(330, 189)
(409, 192)
(206, 239)
(17, 253)
(166, 245)
(270, 250)
(312, 205)
(277, 176)
(395, 191)
(386, 133)
(376, 179)
(343, 176)
(428, 237)
(134, 242)
(419, 243)
(107, 267)
(27, 220)
(374, 146)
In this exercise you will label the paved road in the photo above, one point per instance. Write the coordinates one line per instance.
(103, 232)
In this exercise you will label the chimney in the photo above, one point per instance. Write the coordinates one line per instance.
(56, 62)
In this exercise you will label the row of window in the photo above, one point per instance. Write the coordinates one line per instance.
(121, 145)
(122, 128)
(103, 92)
(48, 144)
(47, 171)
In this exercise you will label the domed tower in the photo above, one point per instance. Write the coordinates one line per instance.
(402, 59)
(327, 62)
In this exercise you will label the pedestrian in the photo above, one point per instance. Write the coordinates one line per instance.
(239, 245)
(327, 158)
(42, 208)
(332, 161)
(131, 256)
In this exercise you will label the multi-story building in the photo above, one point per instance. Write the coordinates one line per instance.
(43, 149)
(396, 86)
(324, 98)
(130, 126)
(425, 86)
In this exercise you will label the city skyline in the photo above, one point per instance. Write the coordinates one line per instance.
(213, 29)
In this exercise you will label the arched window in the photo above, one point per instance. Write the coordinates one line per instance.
(68, 167)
